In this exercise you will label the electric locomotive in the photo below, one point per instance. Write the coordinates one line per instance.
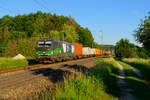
(50, 50)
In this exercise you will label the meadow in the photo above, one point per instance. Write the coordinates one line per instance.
(142, 64)
(12, 63)
(99, 83)
(139, 86)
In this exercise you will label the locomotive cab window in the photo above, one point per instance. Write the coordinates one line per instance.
(48, 43)
(41, 44)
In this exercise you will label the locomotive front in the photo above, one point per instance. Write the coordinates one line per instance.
(44, 50)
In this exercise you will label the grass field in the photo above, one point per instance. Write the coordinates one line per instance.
(127, 70)
(142, 64)
(11, 63)
(97, 84)
(139, 86)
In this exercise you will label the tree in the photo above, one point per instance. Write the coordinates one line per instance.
(142, 34)
(4, 38)
(23, 28)
(85, 36)
(11, 48)
(95, 45)
(143, 53)
(55, 35)
(69, 34)
(38, 25)
(125, 49)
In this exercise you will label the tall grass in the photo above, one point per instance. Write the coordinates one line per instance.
(97, 84)
(128, 71)
(142, 64)
(138, 85)
(140, 89)
(11, 63)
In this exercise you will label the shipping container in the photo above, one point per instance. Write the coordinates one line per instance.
(68, 48)
(93, 51)
(102, 52)
(97, 51)
(86, 51)
(77, 49)
(107, 53)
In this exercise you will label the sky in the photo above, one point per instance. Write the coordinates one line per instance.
(116, 19)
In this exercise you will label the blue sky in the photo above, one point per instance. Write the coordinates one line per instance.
(117, 18)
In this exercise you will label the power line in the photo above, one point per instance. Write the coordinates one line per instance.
(45, 3)
(6, 9)
(40, 4)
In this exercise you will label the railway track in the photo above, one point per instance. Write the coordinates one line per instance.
(19, 78)
(3, 71)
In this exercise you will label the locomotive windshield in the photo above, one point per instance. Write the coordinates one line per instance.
(44, 44)
(48, 43)
(41, 44)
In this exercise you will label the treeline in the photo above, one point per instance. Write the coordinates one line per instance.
(142, 33)
(125, 49)
(107, 47)
(19, 34)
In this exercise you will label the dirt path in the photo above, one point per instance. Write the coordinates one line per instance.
(138, 73)
(126, 93)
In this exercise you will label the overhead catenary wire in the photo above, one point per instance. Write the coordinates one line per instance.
(40, 4)
(44, 2)
(8, 10)
(3, 7)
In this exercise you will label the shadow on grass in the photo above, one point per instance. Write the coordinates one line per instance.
(129, 72)
(144, 68)
(139, 86)
(78, 68)
(54, 75)
(108, 74)
(141, 91)
(105, 73)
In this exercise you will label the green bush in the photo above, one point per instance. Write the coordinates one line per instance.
(125, 49)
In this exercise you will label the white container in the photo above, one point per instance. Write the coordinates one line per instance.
(72, 48)
(86, 51)
(68, 48)
(92, 51)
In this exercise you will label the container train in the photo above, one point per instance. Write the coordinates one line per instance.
(50, 50)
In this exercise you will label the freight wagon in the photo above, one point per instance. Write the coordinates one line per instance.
(49, 50)
(87, 51)
(97, 52)
(78, 50)
(93, 51)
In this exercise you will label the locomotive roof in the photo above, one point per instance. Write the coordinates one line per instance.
(45, 39)
(51, 39)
